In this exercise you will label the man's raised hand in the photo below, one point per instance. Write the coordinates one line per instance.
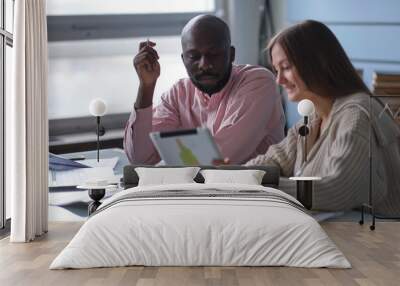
(146, 64)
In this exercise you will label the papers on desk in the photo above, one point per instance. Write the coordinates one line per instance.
(66, 198)
(65, 172)
(63, 198)
(111, 162)
(80, 176)
(57, 213)
(59, 163)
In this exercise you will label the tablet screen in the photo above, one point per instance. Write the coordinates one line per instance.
(189, 147)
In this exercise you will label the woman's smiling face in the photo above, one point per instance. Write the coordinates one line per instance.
(287, 75)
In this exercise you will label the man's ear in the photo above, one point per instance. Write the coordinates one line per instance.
(232, 54)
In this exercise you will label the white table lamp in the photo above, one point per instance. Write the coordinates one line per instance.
(304, 190)
(306, 109)
(98, 108)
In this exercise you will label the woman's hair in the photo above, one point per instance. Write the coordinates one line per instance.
(319, 59)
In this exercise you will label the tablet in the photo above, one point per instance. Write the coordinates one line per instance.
(189, 147)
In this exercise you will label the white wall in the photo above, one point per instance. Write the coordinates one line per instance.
(243, 18)
(279, 14)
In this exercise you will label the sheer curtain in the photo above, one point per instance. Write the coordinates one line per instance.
(27, 123)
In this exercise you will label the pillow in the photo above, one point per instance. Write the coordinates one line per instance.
(248, 177)
(162, 176)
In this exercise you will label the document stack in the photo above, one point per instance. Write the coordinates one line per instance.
(66, 174)
(386, 86)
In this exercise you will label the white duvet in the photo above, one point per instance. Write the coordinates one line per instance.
(183, 231)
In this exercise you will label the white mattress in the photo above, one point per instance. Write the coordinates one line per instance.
(183, 231)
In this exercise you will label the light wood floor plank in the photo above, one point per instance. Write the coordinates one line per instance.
(374, 255)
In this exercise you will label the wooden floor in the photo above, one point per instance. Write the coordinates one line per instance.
(375, 257)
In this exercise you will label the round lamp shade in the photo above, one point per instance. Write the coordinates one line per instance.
(305, 107)
(97, 107)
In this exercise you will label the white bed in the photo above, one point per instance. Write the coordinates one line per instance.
(223, 225)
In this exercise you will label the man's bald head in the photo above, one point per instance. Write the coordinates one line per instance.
(209, 25)
(207, 52)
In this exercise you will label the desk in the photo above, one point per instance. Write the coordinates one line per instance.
(74, 201)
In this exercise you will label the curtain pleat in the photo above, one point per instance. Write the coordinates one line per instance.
(15, 129)
(44, 118)
(28, 148)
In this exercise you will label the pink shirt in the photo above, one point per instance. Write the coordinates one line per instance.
(245, 117)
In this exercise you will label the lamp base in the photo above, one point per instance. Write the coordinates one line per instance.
(304, 193)
(304, 190)
(96, 195)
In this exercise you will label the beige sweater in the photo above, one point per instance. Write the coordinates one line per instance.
(341, 156)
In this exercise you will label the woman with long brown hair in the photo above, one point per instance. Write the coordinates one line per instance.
(311, 64)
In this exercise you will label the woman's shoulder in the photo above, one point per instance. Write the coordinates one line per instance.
(352, 118)
(361, 101)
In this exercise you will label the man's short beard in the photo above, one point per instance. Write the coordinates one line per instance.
(217, 87)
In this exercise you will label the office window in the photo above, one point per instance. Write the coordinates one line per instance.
(82, 70)
(92, 44)
(88, 7)
(6, 41)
